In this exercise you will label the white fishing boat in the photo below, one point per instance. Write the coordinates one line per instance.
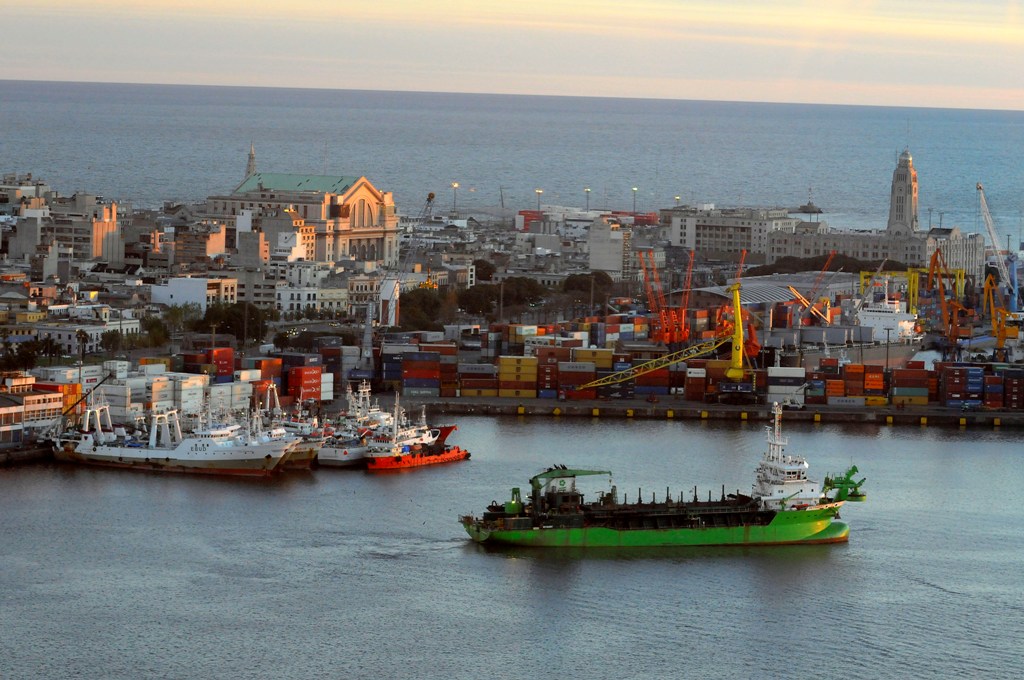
(366, 431)
(218, 449)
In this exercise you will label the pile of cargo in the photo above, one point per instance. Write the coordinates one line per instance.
(503, 339)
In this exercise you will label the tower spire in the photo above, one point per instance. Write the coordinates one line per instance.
(903, 196)
(250, 167)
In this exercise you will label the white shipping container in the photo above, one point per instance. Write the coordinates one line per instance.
(189, 379)
(787, 371)
(118, 368)
(248, 375)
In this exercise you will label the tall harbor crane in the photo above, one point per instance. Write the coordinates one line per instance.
(1004, 273)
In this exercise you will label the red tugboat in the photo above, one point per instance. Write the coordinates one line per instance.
(405, 452)
(402, 457)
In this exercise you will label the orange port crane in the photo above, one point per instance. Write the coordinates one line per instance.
(999, 315)
(667, 330)
(953, 311)
(807, 302)
(684, 328)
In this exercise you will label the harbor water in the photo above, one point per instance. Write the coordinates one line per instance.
(333, 573)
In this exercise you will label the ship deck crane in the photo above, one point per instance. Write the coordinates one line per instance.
(1004, 273)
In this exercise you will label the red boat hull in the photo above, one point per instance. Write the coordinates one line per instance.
(445, 431)
(414, 459)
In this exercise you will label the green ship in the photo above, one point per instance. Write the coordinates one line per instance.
(784, 508)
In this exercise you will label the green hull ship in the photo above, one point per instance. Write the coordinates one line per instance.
(784, 508)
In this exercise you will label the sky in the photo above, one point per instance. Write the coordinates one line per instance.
(934, 53)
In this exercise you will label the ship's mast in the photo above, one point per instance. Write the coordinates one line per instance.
(776, 442)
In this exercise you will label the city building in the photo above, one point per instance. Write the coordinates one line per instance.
(348, 216)
(901, 241)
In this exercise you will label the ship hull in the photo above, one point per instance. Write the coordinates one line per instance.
(244, 464)
(414, 459)
(239, 468)
(342, 456)
(302, 457)
(802, 527)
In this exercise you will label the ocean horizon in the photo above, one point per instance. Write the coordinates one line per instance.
(146, 144)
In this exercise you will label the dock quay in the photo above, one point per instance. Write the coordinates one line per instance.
(681, 410)
(30, 452)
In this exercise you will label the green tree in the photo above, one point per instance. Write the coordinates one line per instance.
(244, 320)
(282, 340)
(110, 341)
(155, 333)
(49, 348)
(180, 317)
(484, 270)
(420, 310)
(479, 300)
(601, 282)
(519, 290)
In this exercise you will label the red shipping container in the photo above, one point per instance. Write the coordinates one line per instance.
(304, 380)
(517, 385)
(479, 383)
(421, 374)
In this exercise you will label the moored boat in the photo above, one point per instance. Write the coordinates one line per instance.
(223, 449)
(366, 431)
(403, 457)
(784, 507)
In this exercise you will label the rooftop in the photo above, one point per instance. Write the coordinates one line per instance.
(280, 181)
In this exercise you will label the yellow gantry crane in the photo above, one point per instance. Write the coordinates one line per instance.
(734, 372)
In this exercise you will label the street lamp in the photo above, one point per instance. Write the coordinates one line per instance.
(455, 195)
(677, 200)
(586, 192)
(538, 192)
(634, 200)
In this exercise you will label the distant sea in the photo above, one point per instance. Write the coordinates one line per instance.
(150, 143)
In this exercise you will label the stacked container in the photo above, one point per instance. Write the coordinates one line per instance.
(785, 384)
(993, 391)
(223, 360)
(572, 374)
(962, 386)
(421, 374)
(448, 354)
(304, 382)
(517, 377)
(478, 380)
(1013, 389)
(910, 387)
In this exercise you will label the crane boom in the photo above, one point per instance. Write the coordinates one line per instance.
(660, 362)
(986, 216)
